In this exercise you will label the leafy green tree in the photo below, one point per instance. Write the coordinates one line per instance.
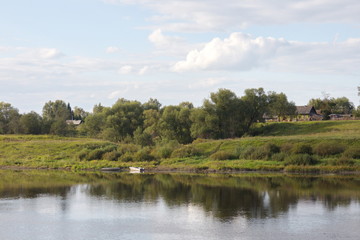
(254, 104)
(205, 123)
(279, 106)
(152, 122)
(329, 105)
(9, 119)
(152, 104)
(221, 116)
(175, 123)
(31, 123)
(79, 113)
(57, 110)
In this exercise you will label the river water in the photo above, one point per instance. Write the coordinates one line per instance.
(56, 205)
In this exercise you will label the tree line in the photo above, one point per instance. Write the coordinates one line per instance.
(222, 115)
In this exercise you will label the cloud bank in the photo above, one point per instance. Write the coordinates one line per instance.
(205, 15)
(241, 52)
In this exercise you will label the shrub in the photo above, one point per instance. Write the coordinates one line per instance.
(254, 153)
(300, 159)
(127, 148)
(111, 156)
(186, 151)
(344, 161)
(286, 147)
(279, 157)
(327, 149)
(95, 154)
(143, 155)
(352, 152)
(302, 148)
(222, 155)
(82, 155)
(165, 149)
(126, 157)
(270, 149)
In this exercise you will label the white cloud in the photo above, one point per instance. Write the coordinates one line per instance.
(127, 69)
(239, 51)
(210, 82)
(242, 52)
(204, 15)
(162, 41)
(144, 70)
(112, 49)
(49, 53)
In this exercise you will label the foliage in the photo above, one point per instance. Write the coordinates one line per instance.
(300, 159)
(302, 148)
(222, 155)
(327, 149)
(186, 151)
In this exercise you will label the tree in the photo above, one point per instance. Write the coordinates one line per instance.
(279, 106)
(57, 110)
(31, 123)
(9, 119)
(329, 105)
(255, 103)
(152, 104)
(175, 123)
(220, 116)
(79, 113)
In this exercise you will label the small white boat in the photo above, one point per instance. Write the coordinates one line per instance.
(136, 169)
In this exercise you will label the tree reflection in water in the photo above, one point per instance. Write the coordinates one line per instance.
(224, 196)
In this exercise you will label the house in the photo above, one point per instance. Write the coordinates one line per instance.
(73, 122)
(307, 113)
(341, 117)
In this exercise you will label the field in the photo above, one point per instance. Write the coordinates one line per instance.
(328, 146)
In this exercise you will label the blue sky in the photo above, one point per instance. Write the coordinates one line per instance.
(87, 52)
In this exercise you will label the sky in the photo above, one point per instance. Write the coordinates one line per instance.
(87, 52)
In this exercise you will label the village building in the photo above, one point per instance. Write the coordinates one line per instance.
(73, 122)
(307, 113)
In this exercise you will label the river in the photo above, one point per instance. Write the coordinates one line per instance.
(56, 205)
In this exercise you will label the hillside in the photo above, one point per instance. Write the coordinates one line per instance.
(300, 147)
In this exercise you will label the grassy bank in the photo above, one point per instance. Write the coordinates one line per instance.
(329, 146)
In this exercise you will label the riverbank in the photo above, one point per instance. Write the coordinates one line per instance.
(311, 147)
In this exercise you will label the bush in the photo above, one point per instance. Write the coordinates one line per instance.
(353, 152)
(126, 157)
(279, 157)
(111, 156)
(254, 153)
(82, 155)
(300, 159)
(165, 149)
(186, 151)
(127, 148)
(222, 155)
(270, 149)
(344, 161)
(95, 154)
(286, 147)
(327, 149)
(302, 148)
(143, 155)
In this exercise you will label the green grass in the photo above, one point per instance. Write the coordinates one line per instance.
(247, 153)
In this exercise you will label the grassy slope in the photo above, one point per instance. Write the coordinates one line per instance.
(58, 152)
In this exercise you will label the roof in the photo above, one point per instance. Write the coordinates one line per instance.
(74, 122)
(304, 110)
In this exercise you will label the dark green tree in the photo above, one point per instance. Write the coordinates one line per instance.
(31, 123)
(254, 105)
(279, 106)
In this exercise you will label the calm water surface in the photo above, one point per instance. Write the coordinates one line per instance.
(62, 205)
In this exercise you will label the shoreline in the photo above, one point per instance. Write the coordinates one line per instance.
(189, 170)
